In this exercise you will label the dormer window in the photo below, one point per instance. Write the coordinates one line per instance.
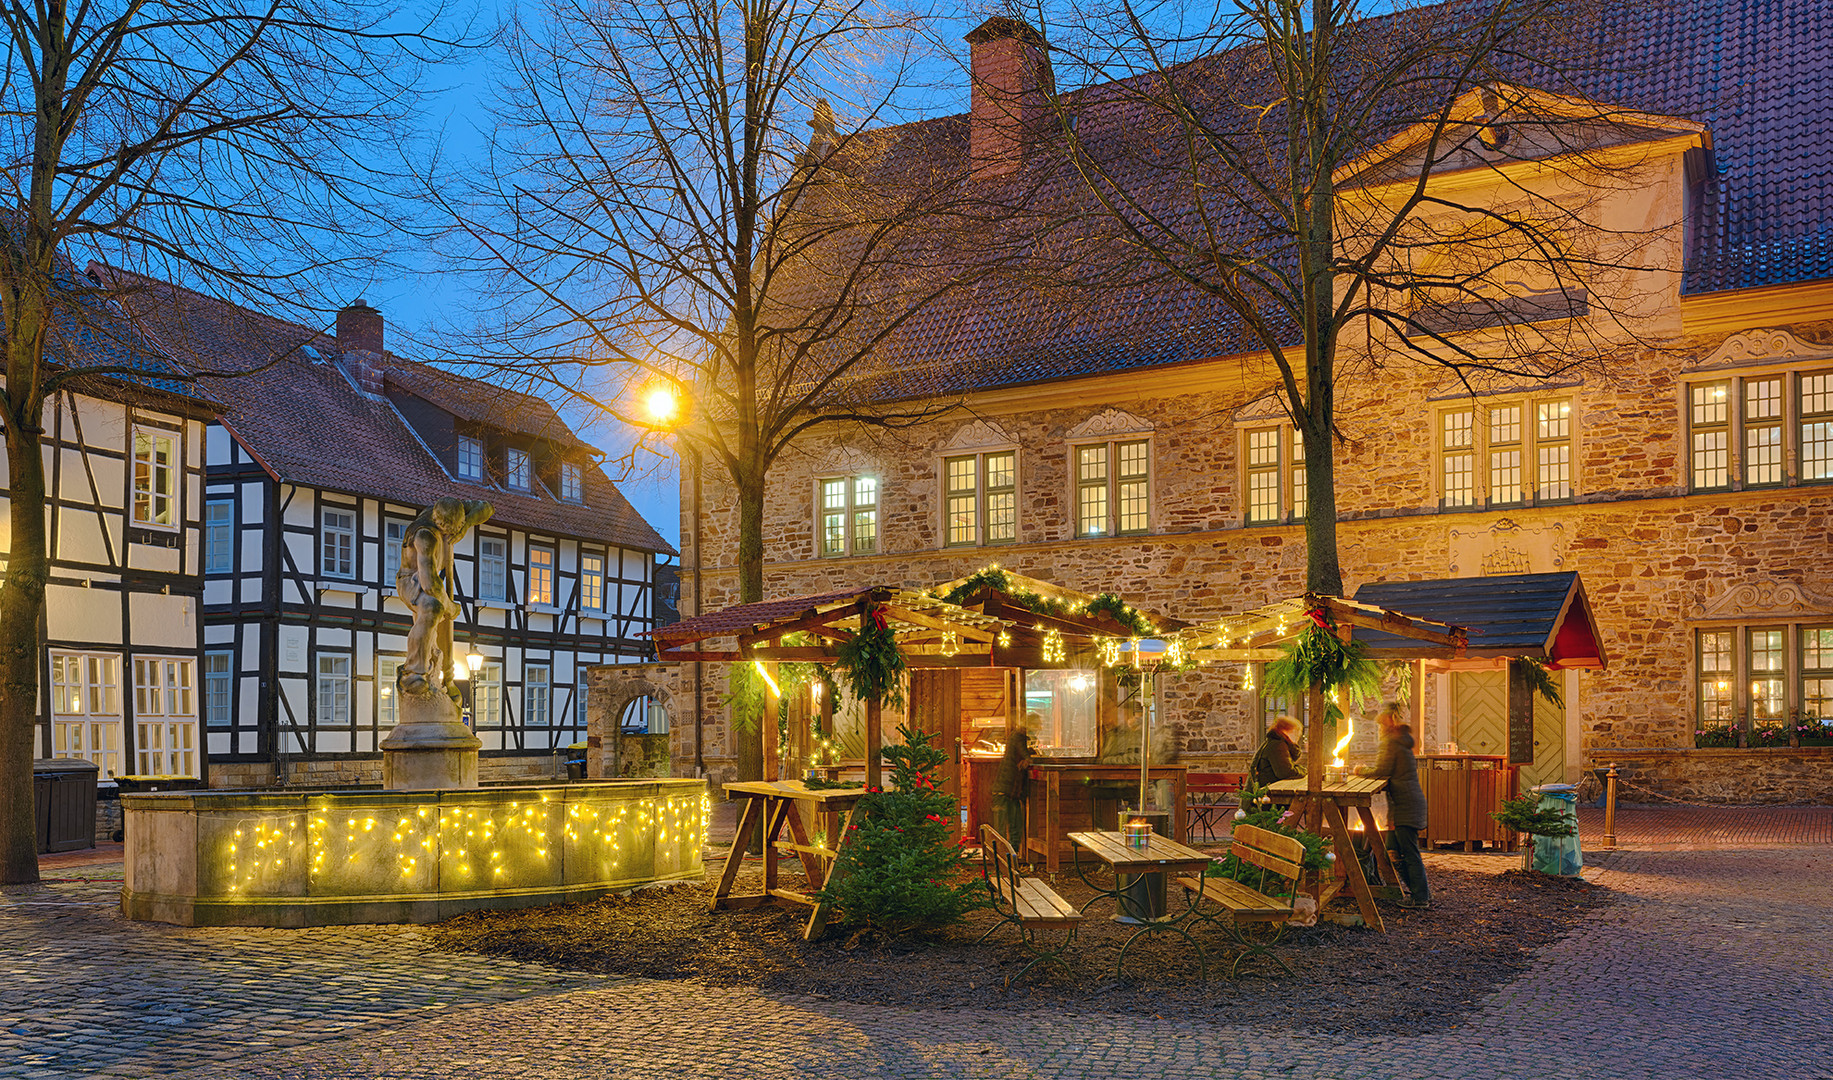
(572, 482)
(470, 458)
(516, 469)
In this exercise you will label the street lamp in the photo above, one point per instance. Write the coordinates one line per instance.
(663, 402)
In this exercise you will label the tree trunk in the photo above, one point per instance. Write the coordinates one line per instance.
(21, 607)
(748, 731)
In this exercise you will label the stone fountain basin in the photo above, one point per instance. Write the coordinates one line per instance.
(329, 858)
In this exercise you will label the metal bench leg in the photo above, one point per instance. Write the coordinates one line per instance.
(1251, 948)
(1039, 956)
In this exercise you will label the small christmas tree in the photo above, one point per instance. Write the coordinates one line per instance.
(900, 872)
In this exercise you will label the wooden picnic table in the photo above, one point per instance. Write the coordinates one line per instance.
(769, 805)
(1355, 793)
(1162, 856)
(1062, 799)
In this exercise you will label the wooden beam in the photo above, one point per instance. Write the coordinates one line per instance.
(966, 633)
(715, 656)
(817, 653)
(810, 620)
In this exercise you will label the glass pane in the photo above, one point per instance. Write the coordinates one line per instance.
(833, 494)
(1091, 512)
(1133, 459)
(833, 534)
(1709, 404)
(1060, 711)
(1263, 448)
(1002, 517)
(1505, 476)
(1505, 424)
(1459, 480)
(1263, 495)
(1554, 420)
(1817, 451)
(1711, 463)
(1456, 429)
(962, 511)
(1817, 699)
(1135, 506)
(1091, 463)
(1002, 471)
(865, 531)
(1555, 475)
(865, 491)
(1763, 399)
(960, 474)
(1817, 647)
(1762, 454)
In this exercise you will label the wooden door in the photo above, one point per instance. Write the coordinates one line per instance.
(935, 710)
(1480, 711)
(1549, 765)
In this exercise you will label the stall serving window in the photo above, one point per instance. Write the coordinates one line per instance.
(1064, 703)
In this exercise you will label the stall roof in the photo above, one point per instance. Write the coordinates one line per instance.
(1256, 634)
(1540, 615)
(920, 621)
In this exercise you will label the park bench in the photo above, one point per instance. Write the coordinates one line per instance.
(1277, 862)
(1211, 798)
(1024, 902)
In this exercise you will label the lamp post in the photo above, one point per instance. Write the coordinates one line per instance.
(664, 405)
(462, 671)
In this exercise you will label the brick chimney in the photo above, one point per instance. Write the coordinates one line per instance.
(1011, 74)
(359, 338)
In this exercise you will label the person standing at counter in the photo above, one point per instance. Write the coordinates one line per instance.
(1406, 802)
(1277, 758)
(1012, 784)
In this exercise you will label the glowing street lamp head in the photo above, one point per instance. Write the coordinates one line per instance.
(475, 661)
(662, 404)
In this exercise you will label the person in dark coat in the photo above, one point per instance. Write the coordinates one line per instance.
(1406, 802)
(1277, 758)
(1012, 785)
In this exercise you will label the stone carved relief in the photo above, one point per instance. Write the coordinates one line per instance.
(1762, 347)
(846, 460)
(979, 433)
(1507, 547)
(1761, 600)
(1110, 422)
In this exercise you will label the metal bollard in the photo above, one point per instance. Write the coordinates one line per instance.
(1610, 808)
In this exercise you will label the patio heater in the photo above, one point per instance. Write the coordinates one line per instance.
(1142, 896)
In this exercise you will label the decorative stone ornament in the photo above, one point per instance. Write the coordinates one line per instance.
(1762, 347)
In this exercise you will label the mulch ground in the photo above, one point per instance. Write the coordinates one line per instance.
(1427, 970)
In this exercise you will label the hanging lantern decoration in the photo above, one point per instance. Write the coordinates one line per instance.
(1133, 643)
(1110, 651)
(1053, 647)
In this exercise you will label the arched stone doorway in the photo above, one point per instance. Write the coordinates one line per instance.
(611, 689)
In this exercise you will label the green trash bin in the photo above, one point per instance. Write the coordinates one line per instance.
(1559, 854)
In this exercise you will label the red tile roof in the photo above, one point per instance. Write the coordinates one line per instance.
(294, 408)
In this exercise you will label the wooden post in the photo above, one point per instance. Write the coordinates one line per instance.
(875, 761)
(1314, 754)
(1416, 706)
(773, 704)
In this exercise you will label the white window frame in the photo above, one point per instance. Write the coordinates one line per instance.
(387, 701)
(165, 716)
(153, 479)
(219, 536)
(572, 482)
(579, 705)
(851, 512)
(331, 690)
(592, 583)
(1738, 685)
(392, 546)
(1534, 439)
(518, 469)
(493, 569)
(1111, 485)
(537, 695)
(333, 563)
(87, 721)
(541, 577)
(468, 458)
(487, 695)
(219, 686)
(979, 498)
(1758, 440)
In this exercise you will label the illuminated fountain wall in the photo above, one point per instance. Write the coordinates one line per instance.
(249, 858)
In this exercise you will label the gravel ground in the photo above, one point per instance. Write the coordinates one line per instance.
(1482, 930)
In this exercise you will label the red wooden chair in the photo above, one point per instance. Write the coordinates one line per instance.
(1210, 799)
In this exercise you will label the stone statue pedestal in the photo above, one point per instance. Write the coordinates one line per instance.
(430, 748)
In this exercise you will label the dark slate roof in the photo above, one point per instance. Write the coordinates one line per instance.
(308, 424)
(1757, 73)
(1542, 615)
(90, 330)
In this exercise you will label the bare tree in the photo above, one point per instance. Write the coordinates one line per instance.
(1280, 157)
(705, 198)
(224, 145)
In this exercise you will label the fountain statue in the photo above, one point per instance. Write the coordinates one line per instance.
(430, 748)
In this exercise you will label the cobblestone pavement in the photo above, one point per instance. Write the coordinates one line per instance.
(1711, 964)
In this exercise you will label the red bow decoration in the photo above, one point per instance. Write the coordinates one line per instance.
(1316, 615)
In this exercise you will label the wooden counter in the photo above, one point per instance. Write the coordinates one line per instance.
(1063, 801)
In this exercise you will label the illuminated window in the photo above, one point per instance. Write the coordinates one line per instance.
(1275, 459)
(540, 575)
(1817, 673)
(388, 671)
(1816, 427)
(1514, 452)
(86, 709)
(849, 516)
(1716, 674)
(1711, 440)
(1113, 488)
(1756, 677)
(982, 498)
(591, 581)
(1758, 443)
(155, 478)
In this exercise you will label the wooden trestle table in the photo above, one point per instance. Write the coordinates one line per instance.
(769, 805)
(1356, 794)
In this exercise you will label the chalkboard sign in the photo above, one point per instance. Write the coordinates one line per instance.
(1520, 718)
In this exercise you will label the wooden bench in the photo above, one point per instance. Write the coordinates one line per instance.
(1277, 863)
(1024, 902)
(1209, 794)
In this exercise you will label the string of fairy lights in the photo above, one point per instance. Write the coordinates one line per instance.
(481, 846)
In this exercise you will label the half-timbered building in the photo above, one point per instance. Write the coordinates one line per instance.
(124, 460)
(327, 448)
